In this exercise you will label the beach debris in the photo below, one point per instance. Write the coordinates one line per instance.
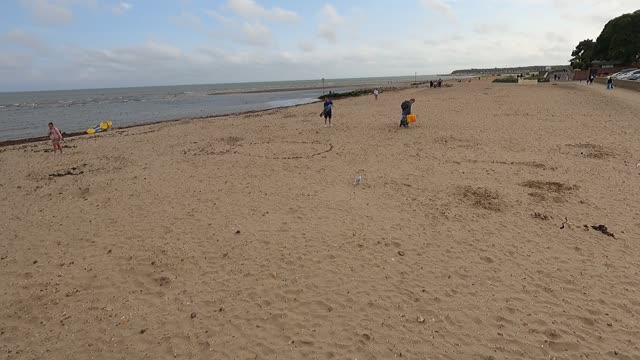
(142, 331)
(420, 319)
(237, 231)
(638, 165)
(603, 229)
(69, 172)
(35, 262)
(357, 180)
(401, 253)
(193, 315)
(109, 252)
(482, 198)
(541, 216)
(549, 186)
(163, 280)
(585, 227)
(565, 222)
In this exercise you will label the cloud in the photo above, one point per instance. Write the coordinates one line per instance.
(54, 12)
(255, 34)
(343, 41)
(307, 46)
(25, 40)
(49, 12)
(122, 8)
(217, 17)
(12, 62)
(443, 39)
(330, 21)
(246, 33)
(189, 20)
(148, 55)
(439, 6)
(251, 10)
(488, 28)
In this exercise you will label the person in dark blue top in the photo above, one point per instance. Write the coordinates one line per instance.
(406, 110)
(326, 112)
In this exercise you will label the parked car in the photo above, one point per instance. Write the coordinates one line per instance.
(624, 72)
(634, 77)
(629, 75)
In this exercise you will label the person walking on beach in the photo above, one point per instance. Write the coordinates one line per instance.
(609, 83)
(375, 93)
(326, 112)
(56, 138)
(406, 110)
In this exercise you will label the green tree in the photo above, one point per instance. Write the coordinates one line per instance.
(620, 40)
(582, 56)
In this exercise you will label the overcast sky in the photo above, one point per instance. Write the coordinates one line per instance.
(65, 44)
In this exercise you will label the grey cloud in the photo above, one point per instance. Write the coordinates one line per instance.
(54, 12)
(47, 12)
(488, 28)
(26, 40)
(256, 34)
(14, 62)
(330, 23)
(307, 46)
(189, 20)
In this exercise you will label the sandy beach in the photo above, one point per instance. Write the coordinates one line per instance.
(470, 235)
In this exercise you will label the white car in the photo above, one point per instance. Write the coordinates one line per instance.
(623, 73)
(629, 75)
(634, 77)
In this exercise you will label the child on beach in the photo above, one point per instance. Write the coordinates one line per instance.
(328, 106)
(56, 138)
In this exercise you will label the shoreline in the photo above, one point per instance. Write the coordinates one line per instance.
(404, 83)
(275, 90)
(30, 140)
(34, 139)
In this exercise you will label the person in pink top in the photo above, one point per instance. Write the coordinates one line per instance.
(56, 138)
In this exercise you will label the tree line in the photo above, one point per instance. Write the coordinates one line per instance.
(618, 43)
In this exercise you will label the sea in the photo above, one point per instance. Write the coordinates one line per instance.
(26, 114)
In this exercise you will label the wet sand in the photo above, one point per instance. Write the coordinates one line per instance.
(244, 237)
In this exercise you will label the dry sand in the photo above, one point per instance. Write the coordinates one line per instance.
(244, 237)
